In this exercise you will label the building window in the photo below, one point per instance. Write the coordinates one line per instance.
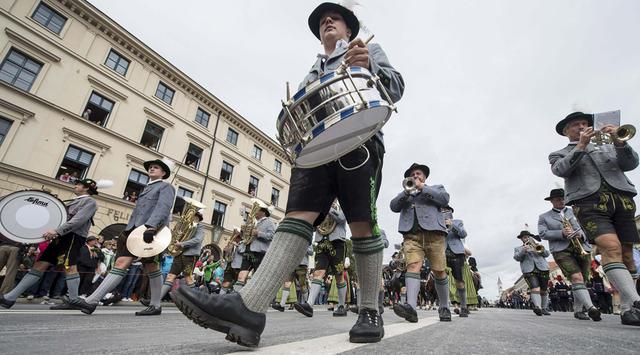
(202, 117)
(275, 196)
(256, 152)
(226, 172)
(5, 125)
(164, 93)
(152, 136)
(136, 183)
(49, 18)
(232, 137)
(194, 154)
(178, 206)
(219, 209)
(19, 70)
(253, 185)
(117, 62)
(278, 166)
(75, 164)
(98, 109)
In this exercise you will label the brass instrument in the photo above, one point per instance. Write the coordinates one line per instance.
(185, 228)
(622, 133)
(409, 185)
(574, 237)
(329, 224)
(538, 248)
(246, 231)
(230, 249)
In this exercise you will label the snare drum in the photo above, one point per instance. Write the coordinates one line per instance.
(332, 116)
(26, 215)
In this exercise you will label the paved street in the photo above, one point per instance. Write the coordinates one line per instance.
(115, 330)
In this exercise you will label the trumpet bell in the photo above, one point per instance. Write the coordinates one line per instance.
(625, 132)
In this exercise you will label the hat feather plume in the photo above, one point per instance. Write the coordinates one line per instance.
(103, 184)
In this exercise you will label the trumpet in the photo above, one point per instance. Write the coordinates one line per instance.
(409, 185)
(538, 248)
(622, 133)
(574, 238)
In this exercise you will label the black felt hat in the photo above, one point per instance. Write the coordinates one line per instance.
(572, 117)
(162, 163)
(523, 233)
(91, 184)
(416, 166)
(555, 193)
(349, 18)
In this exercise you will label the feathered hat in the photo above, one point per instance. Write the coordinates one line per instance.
(95, 185)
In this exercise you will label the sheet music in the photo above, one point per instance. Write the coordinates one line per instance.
(605, 118)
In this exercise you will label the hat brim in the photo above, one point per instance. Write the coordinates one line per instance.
(572, 117)
(423, 168)
(349, 18)
(266, 211)
(165, 168)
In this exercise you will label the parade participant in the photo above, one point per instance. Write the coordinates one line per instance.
(534, 266)
(602, 200)
(424, 232)
(571, 252)
(66, 242)
(330, 251)
(456, 256)
(254, 252)
(311, 193)
(300, 274)
(233, 257)
(153, 209)
(186, 261)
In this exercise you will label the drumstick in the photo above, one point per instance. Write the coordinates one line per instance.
(344, 64)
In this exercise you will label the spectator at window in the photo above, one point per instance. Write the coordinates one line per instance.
(86, 114)
(133, 197)
(64, 177)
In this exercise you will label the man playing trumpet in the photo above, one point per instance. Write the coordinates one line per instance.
(570, 251)
(535, 268)
(602, 200)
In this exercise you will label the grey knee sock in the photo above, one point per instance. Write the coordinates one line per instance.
(73, 283)
(166, 287)
(342, 293)
(442, 289)
(27, 281)
(581, 296)
(289, 245)
(285, 296)
(316, 286)
(155, 287)
(412, 281)
(462, 296)
(619, 276)
(305, 297)
(238, 285)
(403, 297)
(545, 301)
(368, 254)
(110, 282)
(535, 298)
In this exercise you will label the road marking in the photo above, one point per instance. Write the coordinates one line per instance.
(338, 343)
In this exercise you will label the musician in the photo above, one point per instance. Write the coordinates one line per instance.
(153, 209)
(455, 254)
(311, 192)
(602, 200)
(300, 273)
(535, 268)
(234, 262)
(186, 261)
(424, 232)
(66, 242)
(254, 252)
(558, 226)
(330, 254)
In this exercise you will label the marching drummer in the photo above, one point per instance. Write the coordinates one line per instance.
(66, 242)
(312, 190)
(153, 209)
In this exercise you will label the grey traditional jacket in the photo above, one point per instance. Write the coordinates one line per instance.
(550, 229)
(584, 170)
(529, 259)
(425, 205)
(340, 233)
(455, 236)
(266, 229)
(79, 213)
(236, 262)
(153, 207)
(379, 65)
(191, 247)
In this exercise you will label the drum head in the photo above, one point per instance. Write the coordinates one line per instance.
(350, 132)
(26, 215)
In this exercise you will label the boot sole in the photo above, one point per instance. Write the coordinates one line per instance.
(362, 339)
(302, 310)
(235, 333)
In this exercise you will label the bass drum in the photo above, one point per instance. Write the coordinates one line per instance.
(26, 215)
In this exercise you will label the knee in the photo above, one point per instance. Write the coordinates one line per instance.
(441, 274)
(414, 267)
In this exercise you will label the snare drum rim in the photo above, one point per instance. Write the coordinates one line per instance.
(9, 235)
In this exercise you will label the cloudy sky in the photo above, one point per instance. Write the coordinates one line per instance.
(486, 82)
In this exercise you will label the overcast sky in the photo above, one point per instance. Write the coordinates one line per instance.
(486, 82)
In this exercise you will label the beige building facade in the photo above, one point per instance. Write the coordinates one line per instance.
(81, 97)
